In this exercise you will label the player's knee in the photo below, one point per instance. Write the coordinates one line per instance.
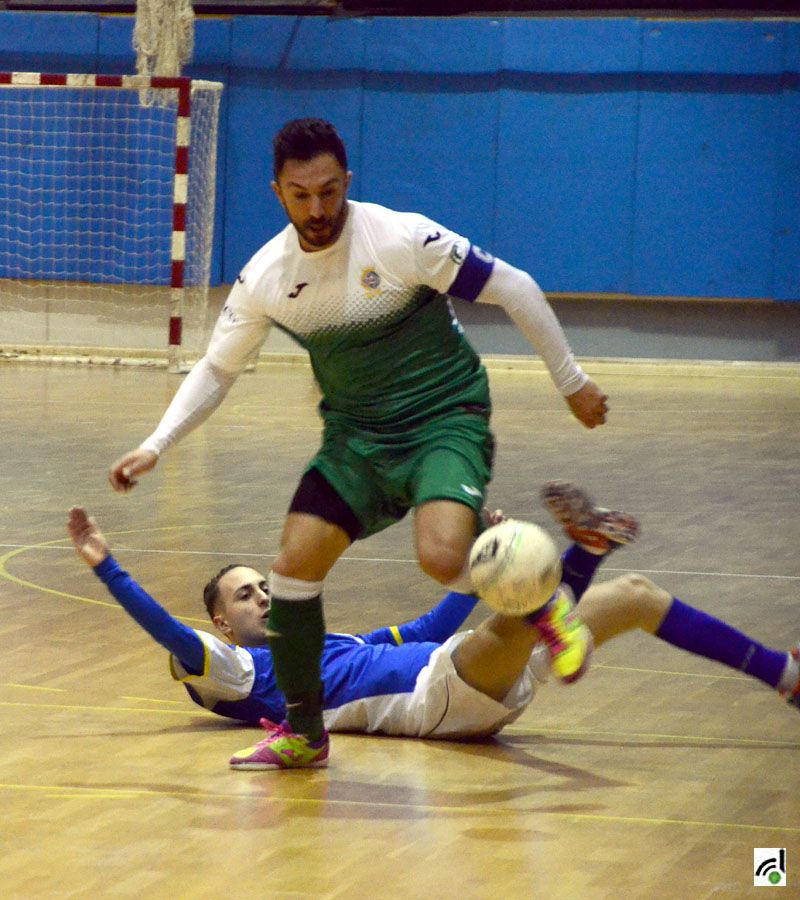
(309, 548)
(647, 603)
(635, 585)
(643, 593)
(299, 563)
(442, 562)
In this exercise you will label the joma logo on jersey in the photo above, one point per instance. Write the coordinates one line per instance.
(297, 289)
(458, 252)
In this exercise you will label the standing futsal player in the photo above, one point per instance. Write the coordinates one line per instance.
(405, 399)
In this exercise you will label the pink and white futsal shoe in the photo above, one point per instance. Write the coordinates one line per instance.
(592, 526)
(283, 749)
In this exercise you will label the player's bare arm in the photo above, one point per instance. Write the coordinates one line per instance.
(90, 543)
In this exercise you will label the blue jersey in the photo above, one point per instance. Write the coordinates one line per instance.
(366, 677)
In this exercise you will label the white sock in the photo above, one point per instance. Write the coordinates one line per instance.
(286, 588)
(791, 676)
(462, 583)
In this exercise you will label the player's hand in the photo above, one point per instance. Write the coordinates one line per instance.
(123, 473)
(90, 543)
(489, 517)
(589, 405)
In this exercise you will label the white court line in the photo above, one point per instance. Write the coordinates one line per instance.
(239, 554)
(710, 574)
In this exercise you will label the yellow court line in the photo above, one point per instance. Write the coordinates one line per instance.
(35, 687)
(73, 796)
(4, 573)
(85, 792)
(155, 700)
(6, 557)
(480, 812)
(645, 735)
(125, 709)
(509, 730)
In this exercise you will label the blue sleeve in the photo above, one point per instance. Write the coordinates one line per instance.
(438, 625)
(176, 637)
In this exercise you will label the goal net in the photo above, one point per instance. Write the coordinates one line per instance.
(107, 185)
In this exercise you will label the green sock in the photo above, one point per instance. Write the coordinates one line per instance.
(296, 653)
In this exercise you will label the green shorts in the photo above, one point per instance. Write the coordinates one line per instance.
(449, 458)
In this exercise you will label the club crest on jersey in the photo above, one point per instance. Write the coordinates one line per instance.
(370, 280)
(458, 252)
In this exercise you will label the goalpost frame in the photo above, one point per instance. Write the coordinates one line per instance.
(182, 86)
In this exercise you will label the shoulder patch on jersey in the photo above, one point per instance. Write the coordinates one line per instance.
(458, 252)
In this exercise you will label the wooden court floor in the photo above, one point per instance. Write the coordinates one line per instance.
(656, 776)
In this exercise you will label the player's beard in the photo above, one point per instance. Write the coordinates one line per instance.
(322, 232)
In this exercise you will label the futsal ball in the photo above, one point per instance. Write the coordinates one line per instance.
(515, 567)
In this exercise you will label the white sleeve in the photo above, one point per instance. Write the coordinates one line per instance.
(202, 391)
(228, 672)
(446, 261)
(241, 329)
(523, 300)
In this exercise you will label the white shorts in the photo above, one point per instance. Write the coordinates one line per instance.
(443, 706)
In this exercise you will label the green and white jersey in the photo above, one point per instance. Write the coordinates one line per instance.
(385, 345)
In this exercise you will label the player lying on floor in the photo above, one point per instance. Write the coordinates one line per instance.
(422, 679)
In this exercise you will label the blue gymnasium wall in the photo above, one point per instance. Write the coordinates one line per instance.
(603, 155)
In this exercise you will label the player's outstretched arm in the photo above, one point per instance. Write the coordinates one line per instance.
(442, 622)
(123, 473)
(90, 543)
(92, 546)
(527, 306)
(201, 392)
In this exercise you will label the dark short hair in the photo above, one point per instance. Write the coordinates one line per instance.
(211, 590)
(305, 139)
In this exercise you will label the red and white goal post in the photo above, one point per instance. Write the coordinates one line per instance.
(107, 186)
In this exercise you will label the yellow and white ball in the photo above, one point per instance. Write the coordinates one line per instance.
(515, 567)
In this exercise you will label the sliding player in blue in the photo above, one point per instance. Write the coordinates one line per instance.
(421, 679)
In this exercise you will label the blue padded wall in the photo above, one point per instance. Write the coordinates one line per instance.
(707, 159)
(604, 155)
(281, 68)
(566, 151)
(49, 42)
(430, 121)
(787, 207)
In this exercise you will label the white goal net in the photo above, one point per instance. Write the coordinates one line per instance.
(107, 185)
